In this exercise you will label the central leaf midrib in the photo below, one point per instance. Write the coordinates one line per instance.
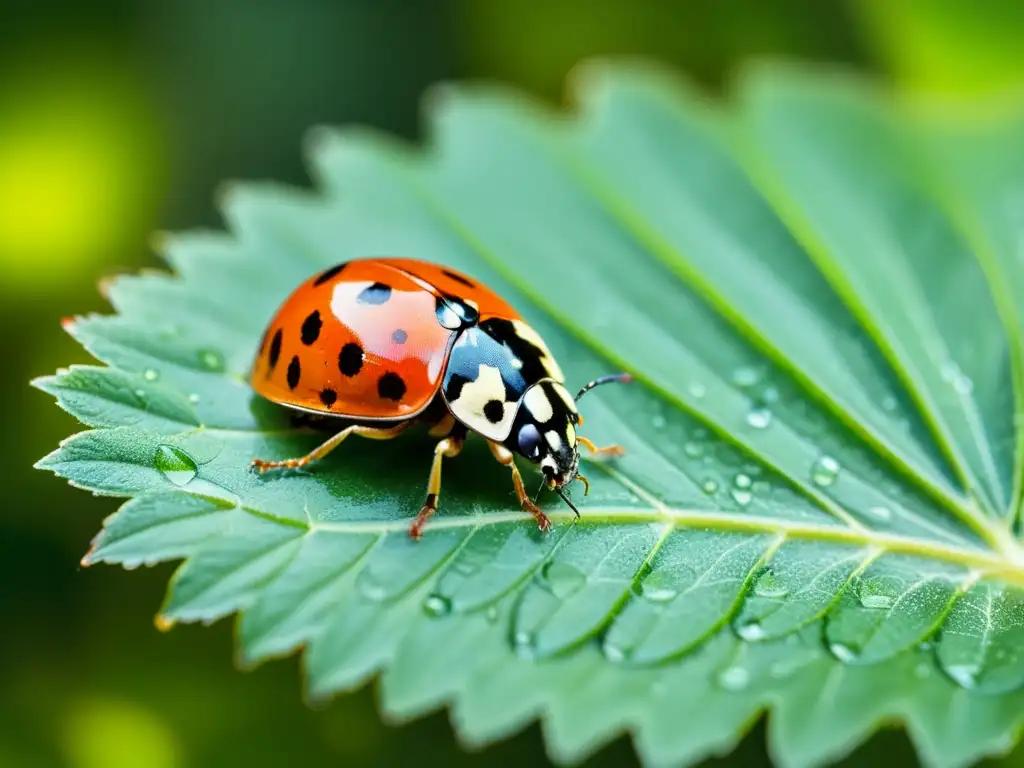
(985, 561)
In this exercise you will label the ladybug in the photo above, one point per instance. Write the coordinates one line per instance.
(385, 343)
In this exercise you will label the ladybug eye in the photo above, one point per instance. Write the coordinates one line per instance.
(529, 441)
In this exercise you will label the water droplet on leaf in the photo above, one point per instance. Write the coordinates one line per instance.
(698, 390)
(752, 632)
(734, 678)
(613, 652)
(693, 449)
(437, 605)
(709, 486)
(825, 471)
(660, 586)
(877, 594)
(742, 481)
(151, 374)
(211, 359)
(759, 418)
(746, 376)
(964, 675)
(741, 496)
(842, 652)
(176, 465)
(492, 614)
(768, 584)
(880, 513)
(562, 579)
(193, 398)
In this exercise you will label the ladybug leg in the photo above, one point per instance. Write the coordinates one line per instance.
(595, 452)
(505, 457)
(449, 447)
(373, 433)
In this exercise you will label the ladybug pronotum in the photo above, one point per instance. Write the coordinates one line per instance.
(385, 343)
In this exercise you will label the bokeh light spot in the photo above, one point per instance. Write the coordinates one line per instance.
(82, 171)
(110, 733)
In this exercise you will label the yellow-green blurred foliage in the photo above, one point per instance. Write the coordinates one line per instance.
(120, 117)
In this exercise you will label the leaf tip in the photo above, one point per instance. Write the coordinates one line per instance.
(164, 623)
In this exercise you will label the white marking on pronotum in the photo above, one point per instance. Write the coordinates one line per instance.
(469, 407)
(527, 333)
(537, 403)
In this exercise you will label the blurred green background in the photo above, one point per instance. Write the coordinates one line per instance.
(121, 117)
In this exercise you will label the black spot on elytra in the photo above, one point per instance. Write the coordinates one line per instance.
(390, 386)
(378, 293)
(399, 336)
(328, 274)
(494, 411)
(457, 278)
(294, 372)
(350, 359)
(328, 397)
(311, 328)
(275, 349)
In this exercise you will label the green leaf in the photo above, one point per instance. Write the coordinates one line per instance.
(818, 294)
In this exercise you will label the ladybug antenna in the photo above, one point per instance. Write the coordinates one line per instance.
(565, 498)
(622, 378)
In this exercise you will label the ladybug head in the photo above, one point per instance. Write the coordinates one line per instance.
(544, 431)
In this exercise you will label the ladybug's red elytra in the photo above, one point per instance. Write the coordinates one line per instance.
(386, 343)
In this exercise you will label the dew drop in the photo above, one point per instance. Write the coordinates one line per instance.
(614, 653)
(960, 381)
(734, 678)
(693, 449)
(525, 643)
(176, 465)
(842, 652)
(698, 390)
(770, 585)
(759, 418)
(370, 586)
(151, 374)
(742, 480)
(889, 404)
(964, 675)
(492, 614)
(923, 670)
(141, 394)
(741, 497)
(658, 422)
(193, 398)
(824, 471)
(709, 485)
(880, 513)
(562, 579)
(660, 586)
(746, 376)
(752, 632)
(876, 594)
(211, 359)
(437, 605)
